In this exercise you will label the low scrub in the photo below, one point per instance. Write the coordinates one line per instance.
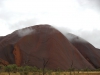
(28, 70)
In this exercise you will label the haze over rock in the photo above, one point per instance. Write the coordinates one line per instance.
(90, 53)
(43, 43)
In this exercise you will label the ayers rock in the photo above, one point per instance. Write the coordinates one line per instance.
(42, 44)
(90, 53)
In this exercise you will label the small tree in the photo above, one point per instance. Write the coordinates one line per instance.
(34, 69)
(71, 69)
(14, 68)
(11, 68)
(49, 72)
(1, 68)
(8, 69)
(45, 62)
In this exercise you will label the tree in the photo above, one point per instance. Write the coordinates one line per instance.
(14, 68)
(8, 69)
(45, 62)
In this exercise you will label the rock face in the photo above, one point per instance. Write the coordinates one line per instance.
(42, 44)
(90, 53)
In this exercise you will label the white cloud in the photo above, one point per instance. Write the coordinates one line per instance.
(24, 32)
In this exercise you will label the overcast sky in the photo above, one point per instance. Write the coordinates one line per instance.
(81, 17)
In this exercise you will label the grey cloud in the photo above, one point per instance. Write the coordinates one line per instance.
(63, 30)
(93, 4)
(24, 32)
(92, 37)
(1, 3)
(23, 24)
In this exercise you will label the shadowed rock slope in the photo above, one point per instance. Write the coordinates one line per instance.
(90, 53)
(42, 44)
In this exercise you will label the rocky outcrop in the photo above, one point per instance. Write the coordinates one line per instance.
(36, 45)
(90, 53)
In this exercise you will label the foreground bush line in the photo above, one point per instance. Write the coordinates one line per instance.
(28, 70)
(53, 73)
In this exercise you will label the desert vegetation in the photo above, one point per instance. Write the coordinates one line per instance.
(28, 70)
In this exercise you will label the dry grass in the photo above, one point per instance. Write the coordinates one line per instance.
(54, 73)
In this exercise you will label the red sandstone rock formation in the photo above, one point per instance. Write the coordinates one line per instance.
(90, 53)
(39, 44)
